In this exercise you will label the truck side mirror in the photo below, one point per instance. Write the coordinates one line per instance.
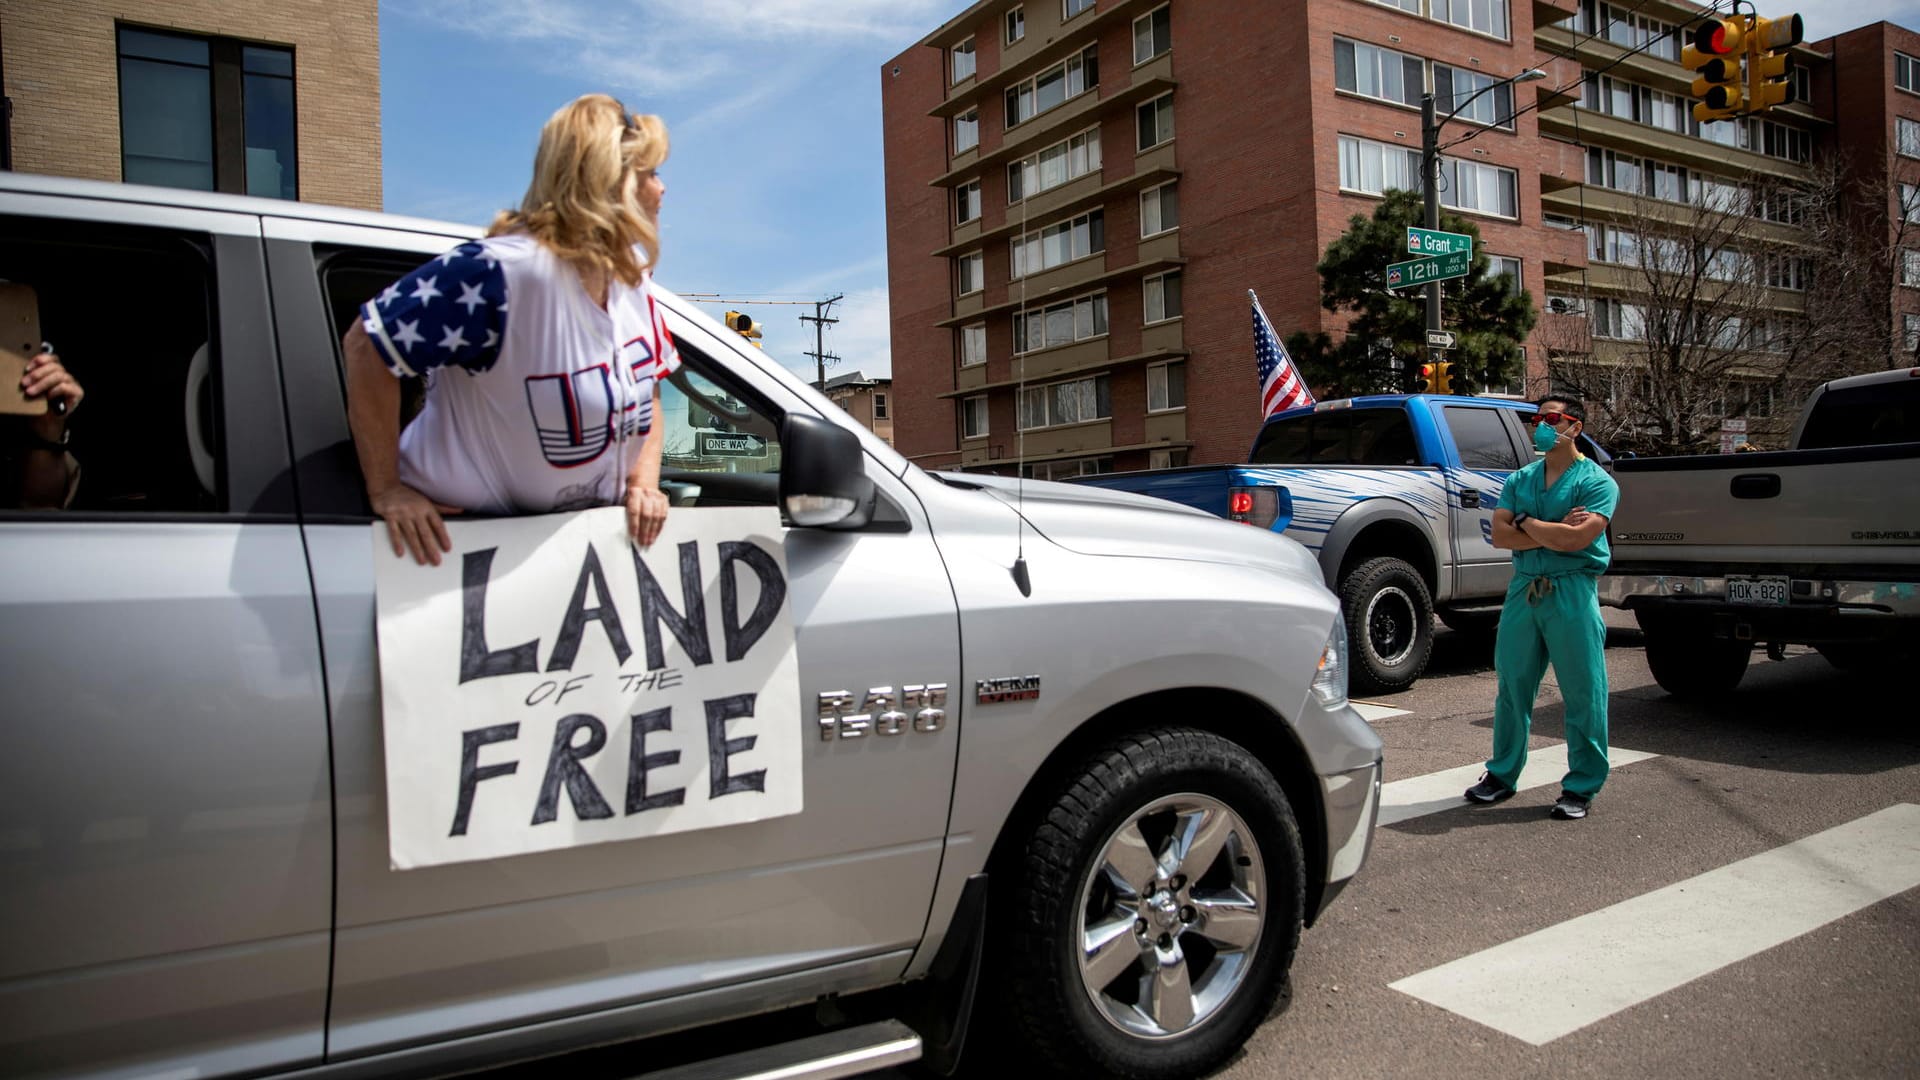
(823, 476)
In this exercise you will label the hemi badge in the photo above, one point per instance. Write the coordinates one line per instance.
(1014, 688)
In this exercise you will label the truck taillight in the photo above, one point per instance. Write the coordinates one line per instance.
(1256, 506)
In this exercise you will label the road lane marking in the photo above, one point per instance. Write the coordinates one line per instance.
(1371, 711)
(1622, 955)
(1420, 795)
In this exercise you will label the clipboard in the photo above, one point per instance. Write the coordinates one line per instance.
(19, 343)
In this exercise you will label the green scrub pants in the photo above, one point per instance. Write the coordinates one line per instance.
(1558, 619)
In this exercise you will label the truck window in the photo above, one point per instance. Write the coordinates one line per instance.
(1864, 416)
(1339, 437)
(146, 437)
(1481, 438)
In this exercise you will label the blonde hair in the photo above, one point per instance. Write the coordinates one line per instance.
(582, 202)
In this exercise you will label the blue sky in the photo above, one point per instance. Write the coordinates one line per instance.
(774, 187)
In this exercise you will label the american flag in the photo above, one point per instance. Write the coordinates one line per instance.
(1281, 387)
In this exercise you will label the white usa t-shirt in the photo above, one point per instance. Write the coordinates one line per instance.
(532, 411)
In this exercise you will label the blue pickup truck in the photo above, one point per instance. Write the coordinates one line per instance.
(1395, 494)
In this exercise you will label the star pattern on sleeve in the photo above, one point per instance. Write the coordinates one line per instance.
(390, 294)
(407, 334)
(470, 297)
(424, 291)
(453, 339)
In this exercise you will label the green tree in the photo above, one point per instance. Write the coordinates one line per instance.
(1385, 344)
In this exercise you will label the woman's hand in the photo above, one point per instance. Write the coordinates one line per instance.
(646, 513)
(413, 523)
(47, 377)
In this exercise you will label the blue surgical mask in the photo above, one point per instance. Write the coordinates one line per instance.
(1544, 437)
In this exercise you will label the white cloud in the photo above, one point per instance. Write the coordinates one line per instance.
(1826, 20)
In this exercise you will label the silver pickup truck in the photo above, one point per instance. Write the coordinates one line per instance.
(1818, 545)
(1147, 779)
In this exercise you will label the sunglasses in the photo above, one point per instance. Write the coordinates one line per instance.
(1554, 419)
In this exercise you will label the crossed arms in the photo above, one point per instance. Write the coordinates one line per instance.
(1574, 534)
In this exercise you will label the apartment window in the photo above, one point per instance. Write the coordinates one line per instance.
(1070, 8)
(963, 61)
(1073, 402)
(1621, 172)
(1159, 209)
(1060, 83)
(966, 131)
(973, 417)
(1802, 78)
(1482, 16)
(969, 273)
(1167, 386)
(1723, 132)
(1907, 136)
(1909, 202)
(1171, 459)
(1371, 71)
(211, 114)
(973, 345)
(1669, 181)
(1156, 121)
(1906, 72)
(1482, 189)
(1913, 331)
(1781, 141)
(1608, 244)
(1910, 267)
(1410, 6)
(1060, 324)
(879, 406)
(1016, 24)
(1720, 196)
(1059, 243)
(1630, 101)
(1453, 86)
(1068, 159)
(966, 202)
(1502, 266)
(1613, 319)
(1161, 295)
(1152, 34)
(1621, 26)
(1066, 470)
(1376, 168)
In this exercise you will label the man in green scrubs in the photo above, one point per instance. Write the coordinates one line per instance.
(1553, 516)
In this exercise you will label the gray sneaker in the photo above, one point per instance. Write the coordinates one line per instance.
(1571, 807)
(1488, 790)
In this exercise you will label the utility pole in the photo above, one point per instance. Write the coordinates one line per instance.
(819, 320)
(1430, 187)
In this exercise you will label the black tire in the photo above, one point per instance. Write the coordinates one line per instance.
(1065, 886)
(1688, 663)
(1389, 617)
(1478, 623)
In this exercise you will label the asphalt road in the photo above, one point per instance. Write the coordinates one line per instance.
(1591, 918)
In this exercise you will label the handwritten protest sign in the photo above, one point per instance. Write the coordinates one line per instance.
(549, 684)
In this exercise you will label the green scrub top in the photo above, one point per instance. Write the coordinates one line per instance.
(1583, 484)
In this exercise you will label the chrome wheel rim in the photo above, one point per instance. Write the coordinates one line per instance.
(1391, 629)
(1170, 916)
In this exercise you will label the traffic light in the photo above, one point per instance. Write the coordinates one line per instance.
(1715, 57)
(1769, 71)
(742, 324)
(1436, 378)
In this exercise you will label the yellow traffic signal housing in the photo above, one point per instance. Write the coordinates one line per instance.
(1715, 57)
(1769, 71)
(1436, 378)
(742, 324)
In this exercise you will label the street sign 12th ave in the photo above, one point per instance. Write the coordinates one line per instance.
(1420, 271)
(1435, 242)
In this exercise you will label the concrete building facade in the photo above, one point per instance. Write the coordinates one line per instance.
(1102, 182)
(277, 99)
(866, 399)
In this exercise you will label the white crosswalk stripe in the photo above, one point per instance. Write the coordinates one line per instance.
(1434, 792)
(1637, 949)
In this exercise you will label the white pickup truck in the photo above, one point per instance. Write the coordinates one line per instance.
(1818, 545)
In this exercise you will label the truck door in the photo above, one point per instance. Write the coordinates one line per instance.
(1484, 456)
(605, 937)
(166, 819)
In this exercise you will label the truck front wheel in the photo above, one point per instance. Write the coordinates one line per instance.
(1156, 909)
(1390, 622)
(1692, 664)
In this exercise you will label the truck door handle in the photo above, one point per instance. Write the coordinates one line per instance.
(1756, 486)
(1469, 500)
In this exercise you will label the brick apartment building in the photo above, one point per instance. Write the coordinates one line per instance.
(1107, 179)
(280, 99)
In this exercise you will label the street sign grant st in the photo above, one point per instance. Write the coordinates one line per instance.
(1434, 242)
